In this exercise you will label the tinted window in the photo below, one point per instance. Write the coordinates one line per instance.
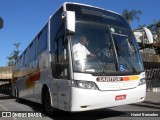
(60, 51)
(22, 60)
(56, 23)
(17, 64)
(33, 49)
(91, 14)
(26, 56)
(42, 40)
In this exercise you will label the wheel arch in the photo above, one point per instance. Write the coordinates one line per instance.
(44, 89)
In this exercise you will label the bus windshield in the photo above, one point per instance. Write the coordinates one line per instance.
(100, 48)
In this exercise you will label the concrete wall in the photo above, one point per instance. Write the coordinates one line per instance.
(6, 72)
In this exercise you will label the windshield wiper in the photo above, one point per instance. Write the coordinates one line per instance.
(128, 61)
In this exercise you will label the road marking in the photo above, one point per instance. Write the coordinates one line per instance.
(7, 110)
(4, 107)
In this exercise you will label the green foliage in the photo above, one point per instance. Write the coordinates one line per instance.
(154, 27)
(131, 15)
(144, 25)
(14, 55)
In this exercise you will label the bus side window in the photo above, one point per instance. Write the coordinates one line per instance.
(42, 41)
(33, 49)
(26, 56)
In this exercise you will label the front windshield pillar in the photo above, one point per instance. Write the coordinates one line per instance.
(70, 57)
(116, 55)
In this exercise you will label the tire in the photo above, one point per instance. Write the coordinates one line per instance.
(17, 96)
(47, 104)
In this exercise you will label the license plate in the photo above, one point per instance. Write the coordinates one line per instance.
(120, 97)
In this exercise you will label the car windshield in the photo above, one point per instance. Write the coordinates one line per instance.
(97, 48)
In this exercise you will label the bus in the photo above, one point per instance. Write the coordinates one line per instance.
(49, 73)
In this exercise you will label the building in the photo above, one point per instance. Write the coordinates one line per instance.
(6, 72)
(150, 50)
(5, 79)
(5, 75)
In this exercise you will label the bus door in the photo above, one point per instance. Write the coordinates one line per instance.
(62, 74)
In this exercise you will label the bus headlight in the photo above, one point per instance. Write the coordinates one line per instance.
(84, 84)
(142, 81)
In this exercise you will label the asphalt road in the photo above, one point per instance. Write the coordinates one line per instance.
(31, 111)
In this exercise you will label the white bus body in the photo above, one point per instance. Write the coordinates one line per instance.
(47, 72)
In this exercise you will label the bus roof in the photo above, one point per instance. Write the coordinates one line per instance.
(64, 6)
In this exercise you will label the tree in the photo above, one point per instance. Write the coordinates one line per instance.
(131, 15)
(10, 61)
(155, 28)
(17, 46)
(14, 55)
(144, 25)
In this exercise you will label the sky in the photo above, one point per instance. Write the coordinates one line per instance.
(23, 19)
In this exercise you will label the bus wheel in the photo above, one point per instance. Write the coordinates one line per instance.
(47, 104)
(17, 95)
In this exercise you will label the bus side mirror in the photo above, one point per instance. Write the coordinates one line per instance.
(149, 35)
(70, 21)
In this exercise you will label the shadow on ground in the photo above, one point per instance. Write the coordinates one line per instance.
(5, 96)
(148, 104)
(88, 115)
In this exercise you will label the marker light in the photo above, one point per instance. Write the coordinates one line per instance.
(142, 81)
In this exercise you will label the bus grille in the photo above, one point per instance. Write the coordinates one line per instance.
(117, 85)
